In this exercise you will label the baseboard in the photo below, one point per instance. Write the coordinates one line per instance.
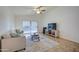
(0, 45)
(20, 50)
(68, 38)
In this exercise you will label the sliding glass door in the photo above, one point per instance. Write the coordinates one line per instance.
(29, 27)
(33, 27)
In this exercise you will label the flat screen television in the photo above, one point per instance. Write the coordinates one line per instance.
(52, 26)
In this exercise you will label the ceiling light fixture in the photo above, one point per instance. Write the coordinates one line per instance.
(39, 9)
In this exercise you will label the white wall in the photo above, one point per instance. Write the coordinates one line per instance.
(20, 18)
(10, 21)
(6, 20)
(67, 19)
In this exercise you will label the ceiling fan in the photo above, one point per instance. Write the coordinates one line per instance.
(39, 9)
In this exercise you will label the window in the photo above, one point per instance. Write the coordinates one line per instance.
(29, 27)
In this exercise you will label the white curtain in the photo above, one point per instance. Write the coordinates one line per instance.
(29, 27)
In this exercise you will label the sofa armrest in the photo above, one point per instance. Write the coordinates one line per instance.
(13, 44)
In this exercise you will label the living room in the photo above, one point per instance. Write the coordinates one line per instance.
(16, 19)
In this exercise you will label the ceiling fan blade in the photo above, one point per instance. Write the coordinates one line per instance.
(39, 9)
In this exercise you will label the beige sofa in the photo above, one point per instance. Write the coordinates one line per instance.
(13, 44)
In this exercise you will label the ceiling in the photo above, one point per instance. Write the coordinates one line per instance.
(26, 10)
(22, 10)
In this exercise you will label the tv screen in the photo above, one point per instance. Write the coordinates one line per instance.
(51, 26)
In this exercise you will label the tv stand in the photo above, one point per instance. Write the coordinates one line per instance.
(54, 33)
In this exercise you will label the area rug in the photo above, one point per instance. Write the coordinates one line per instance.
(44, 44)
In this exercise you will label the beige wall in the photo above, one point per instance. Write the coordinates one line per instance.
(67, 19)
